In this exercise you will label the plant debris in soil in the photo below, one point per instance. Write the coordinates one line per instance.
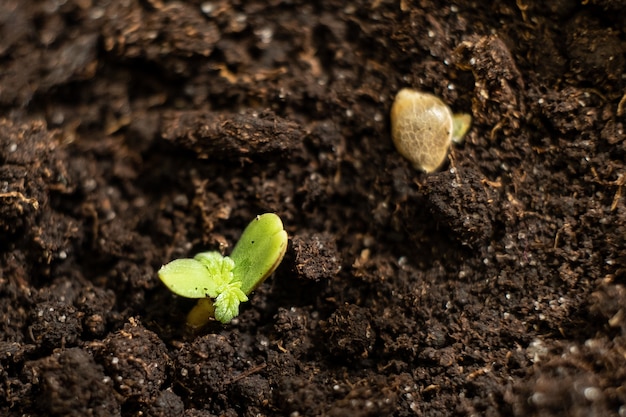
(137, 132)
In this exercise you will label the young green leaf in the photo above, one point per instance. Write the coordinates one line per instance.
(229, 293)
(227, 303)
(220, 267)
(259, 251)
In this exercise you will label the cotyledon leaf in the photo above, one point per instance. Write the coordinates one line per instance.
(259, 251)
(188, 278)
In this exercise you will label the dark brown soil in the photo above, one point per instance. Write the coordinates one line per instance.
(134, 132)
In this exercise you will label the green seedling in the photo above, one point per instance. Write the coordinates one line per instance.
(222, 282)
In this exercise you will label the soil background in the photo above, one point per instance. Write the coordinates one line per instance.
(136, 132)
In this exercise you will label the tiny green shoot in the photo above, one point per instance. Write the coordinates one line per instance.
(221, 282)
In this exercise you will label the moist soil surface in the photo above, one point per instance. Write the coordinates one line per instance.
(136, 132)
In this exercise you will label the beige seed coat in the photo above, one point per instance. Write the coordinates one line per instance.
(421, 128)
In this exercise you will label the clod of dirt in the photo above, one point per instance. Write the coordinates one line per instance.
(498, 99)
(316, 256)
(97, 305)
(221, 135)
(12, 357)
(62, 53)
(369, 398)
(137, 360)
(612, 5)
(54, 323)
(167, 404)
(596, 52)
(609, 303)
(566, 380)
(131, 31)
(25, 150)
(253, 391)
(462, 203)
(209, 370)
(299, 395)
(280, 365)
(204, 366)
(349, 333)
(71, 384)
(31, 171)
(294, 330)
(570, 111)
